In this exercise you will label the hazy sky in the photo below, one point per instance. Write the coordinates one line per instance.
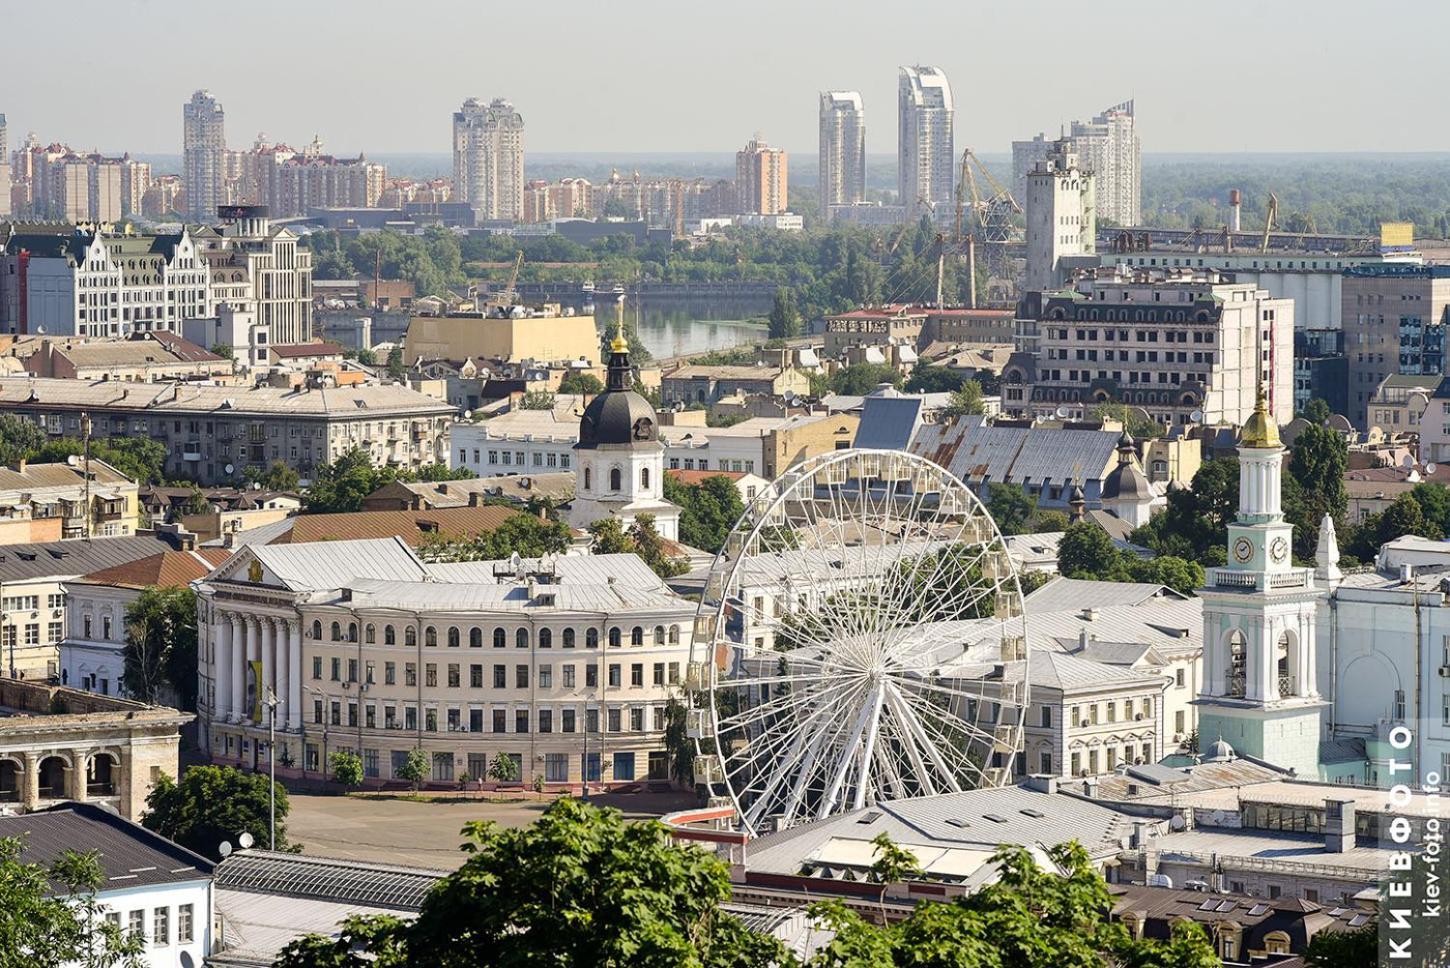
(662, 76)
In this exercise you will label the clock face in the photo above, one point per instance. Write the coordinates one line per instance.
(1243, 549)
(1279, 550)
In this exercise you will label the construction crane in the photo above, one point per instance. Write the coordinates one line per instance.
(993, 214)
(1269, 221)
(505, 297)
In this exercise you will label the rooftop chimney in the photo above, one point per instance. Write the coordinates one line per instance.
(1338, 826)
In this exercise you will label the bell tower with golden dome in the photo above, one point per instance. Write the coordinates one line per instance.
(1260, 691)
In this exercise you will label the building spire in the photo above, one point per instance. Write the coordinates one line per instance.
(620, 344)
(1326, 554)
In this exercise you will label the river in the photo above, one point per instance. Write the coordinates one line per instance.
(684, 326)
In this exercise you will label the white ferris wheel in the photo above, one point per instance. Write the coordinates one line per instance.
(860, 638)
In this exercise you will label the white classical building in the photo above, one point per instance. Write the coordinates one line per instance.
(564, 664)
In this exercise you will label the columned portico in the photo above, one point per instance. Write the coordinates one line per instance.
(236, 676)
(294, 675)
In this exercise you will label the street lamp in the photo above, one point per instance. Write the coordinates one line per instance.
(272, 769)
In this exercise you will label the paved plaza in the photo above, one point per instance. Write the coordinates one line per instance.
(426, 834)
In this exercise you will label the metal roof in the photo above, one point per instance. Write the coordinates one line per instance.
(332, 564)
(130, 855)
(327, 879)
(21, 562)
(625, 570)
(974, 449)
(493, 597)
(1063, 594)
(889, 423)
(364, 402)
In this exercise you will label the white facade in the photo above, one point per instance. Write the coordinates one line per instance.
(488, 159)
(738, 448)
(1108, 147)
(842, 150)
(91, 654)
(173, 919)
(204, 151)
(520, 442)
(623, 484)
(1061, 217)
(926, 147)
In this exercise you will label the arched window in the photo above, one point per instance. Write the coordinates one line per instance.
(390, 637)
(521, 638)
(316, 629)
(546, 638)
(636, 636)
(370, 633)
(352, 631)
(500, 638)
(452, 637)
(644, 477)
(614, 479)
(410, 637)
(674, 635)
(430, 636)
(588, 478)
(591, 639)
(614, 637)
(568, 638)
(1237, 663)
(659, 635)
(475, 638)
(336, 632)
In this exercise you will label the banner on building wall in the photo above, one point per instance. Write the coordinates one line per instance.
(254, 689)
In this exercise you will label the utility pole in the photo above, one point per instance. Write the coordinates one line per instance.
(272, 769)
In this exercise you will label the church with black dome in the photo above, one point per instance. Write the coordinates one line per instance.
(619, 460)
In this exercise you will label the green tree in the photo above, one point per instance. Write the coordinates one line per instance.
(1317, 465)
(859, 379)
(892, 865)
(346, 768)
(678, 743)
(224, 350)
(51, 917)
(139, 458)
(396, 369)
(341, 485)
(785, 318)
(527, 534)
(1134, 420)
(537, 400)
(212, 804)
(965, 401)
(1345, 949)
(1434, 501)
(1011, 507)
(503, 768)
(381, 936)
(609, 538)
(1182, 576)
(414, 768)
(20, 439)
(1086, 551)
(934, 379)
(1316, 411)
(580, 886)
(277, 477)
(708, 510)
(1048, 521)
(160, 649)
(581, 383)
(651, 547)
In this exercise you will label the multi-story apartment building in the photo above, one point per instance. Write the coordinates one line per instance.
(1186, 346)
(5, 208)
(926, 147)
(135, 183)
(564, 665)
(292, 183)
(843, 150)
(1109, 148)
(1061, 218)
(1395, 319)
(876, 326)
(488, 159)
(203, 155)
(90, 284)
(161, 198)
(76, 499)
(260, 269)
(760, 177)
(213, 433)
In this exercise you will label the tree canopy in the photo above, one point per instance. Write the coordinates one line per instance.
(610, 537)
(160, 652)
(1087, 552)
(212, 804)
(708, 510)
(51, 917)
(527, 534)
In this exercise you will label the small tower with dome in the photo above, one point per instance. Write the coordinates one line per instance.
(619, 460)
(1260, 694)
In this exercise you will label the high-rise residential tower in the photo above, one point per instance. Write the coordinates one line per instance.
(204, 155)
(4, 169)
(926, 149)
(843, 150)
(1107, 146)
(760, 178)
(488, 159)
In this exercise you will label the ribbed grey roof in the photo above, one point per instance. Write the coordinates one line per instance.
(1075, 593)
(332, 564)
(511, 598)
(19, 562)
(625, 570)
(973, 450)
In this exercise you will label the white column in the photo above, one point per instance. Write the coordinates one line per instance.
(221, 666)
(254, 653)
(269, 666)
(1308, 629)
(294, 674)
(236, 675)
(1254, 662)
(280, 651)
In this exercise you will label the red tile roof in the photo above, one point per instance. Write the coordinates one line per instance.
(170, 569)
(412, 526)
(303, 350)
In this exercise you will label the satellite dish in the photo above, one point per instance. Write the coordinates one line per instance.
(1407, 461)
(1063, 413)
(1160, 880)
(230, 469)
(225, 849)
(468, 415)
(1429, 469)
(1177, 823)
(1196, 416)
(245, 840)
